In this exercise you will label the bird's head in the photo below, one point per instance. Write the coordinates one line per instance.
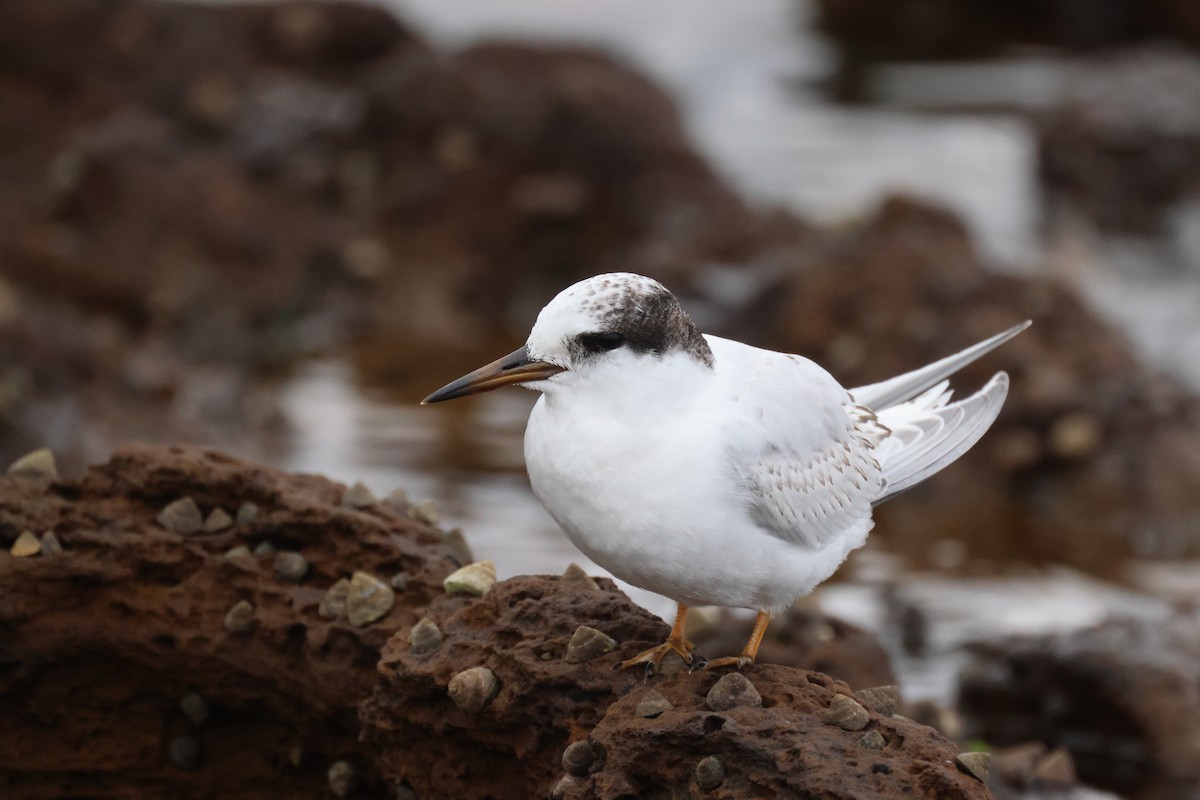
(614, 324)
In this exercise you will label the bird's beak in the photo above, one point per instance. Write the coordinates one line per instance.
(516, 367)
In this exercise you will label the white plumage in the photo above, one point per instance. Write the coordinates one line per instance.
(716, 473)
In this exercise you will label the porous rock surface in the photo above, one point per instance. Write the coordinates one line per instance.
(100, 643)
(513, 747)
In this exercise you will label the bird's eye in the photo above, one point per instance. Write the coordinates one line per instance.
(600, 342)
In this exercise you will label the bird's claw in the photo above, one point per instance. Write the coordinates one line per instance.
(737, 662)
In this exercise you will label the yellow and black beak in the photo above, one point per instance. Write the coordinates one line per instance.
(516, 367)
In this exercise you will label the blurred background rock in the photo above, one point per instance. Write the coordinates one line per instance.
(273, 228)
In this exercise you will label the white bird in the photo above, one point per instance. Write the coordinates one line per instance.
(710, 471)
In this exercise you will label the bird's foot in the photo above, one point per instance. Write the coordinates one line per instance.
(737, 662)
(651, 660)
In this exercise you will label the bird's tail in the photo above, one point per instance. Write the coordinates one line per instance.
(928, 432)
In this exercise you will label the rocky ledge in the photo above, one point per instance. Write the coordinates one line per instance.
(181, 622)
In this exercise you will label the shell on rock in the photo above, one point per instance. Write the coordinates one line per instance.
(460, 550)
(185, 752)
(883, 700)
(181, 516)
(575, 574)
(342, 778)
(333, 604)
(291, 567)
(218, 520)
(652, 704)
(710, 772)
(587, 643)
(195, 709)
(733, 690)
(36, 465)
(240, 618)
(358, 496)
(425, 511)
(578, 758)
(50, 544)
(472, 689)
(369, 599)
(264, 548)
(26, 545)
(872, 740)
(976, 765)
(846, 713)
(474, 579)
(425, 637)
(247, 512)
(241, 551)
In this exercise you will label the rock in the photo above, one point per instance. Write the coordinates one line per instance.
(26, 545)
(291, 567)
(575, 574)
(475, 579)
(50, 545)
(358, 496)
(195, 709)
(975, 764)
(872, 740)
(731, 691)
(883, 700)
(342, 778)
(1056, 770)
(652, 704)
(333, 604)
(588, 643)
(181, 516)
(472, 689)
(578, 758)
(247, 512)
(368, 600)
(37, 465)
(710, 772)
(264, 548)
(185, 752)
(460, 550)
(240, 618)
(425, 511)
(1113, 694)
(846, 714)
(1015, 765)
(936, 716)
(240, 551)
(806, 638)
(218, 520)
(425, 637)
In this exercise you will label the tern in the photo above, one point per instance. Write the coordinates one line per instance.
(709, 471)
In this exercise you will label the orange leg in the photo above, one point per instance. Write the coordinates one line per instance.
(750, 651)
(676, 643)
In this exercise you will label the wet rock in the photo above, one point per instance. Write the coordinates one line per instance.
(456, 543)
(872, 740)
(975, 764)
(425, 511)
(195, 709)
(359, 496)
(343, 778)
(50, 544)
(472, 689)
(185, 752)
(588, 643)
(425, 637)
(240, 618)
(652, 704)
(846, 713)
(218, 520)
(333, 604)
(883, 700)
(710, 772)
(247, 512)
(26, 545)
(181, 516)
(578, 758)
(290, 567)
(731, 691)
(37, 465)
(575, 574)
(475, 579)
(369, 599)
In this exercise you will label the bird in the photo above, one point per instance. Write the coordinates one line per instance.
(709, 471)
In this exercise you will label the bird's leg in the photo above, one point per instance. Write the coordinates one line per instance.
(675, 643)
(749, 652)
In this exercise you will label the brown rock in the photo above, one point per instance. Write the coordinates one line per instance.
(731, 691)
(588, 643)
(472, 689)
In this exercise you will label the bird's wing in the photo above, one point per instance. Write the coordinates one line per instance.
(801, 450)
